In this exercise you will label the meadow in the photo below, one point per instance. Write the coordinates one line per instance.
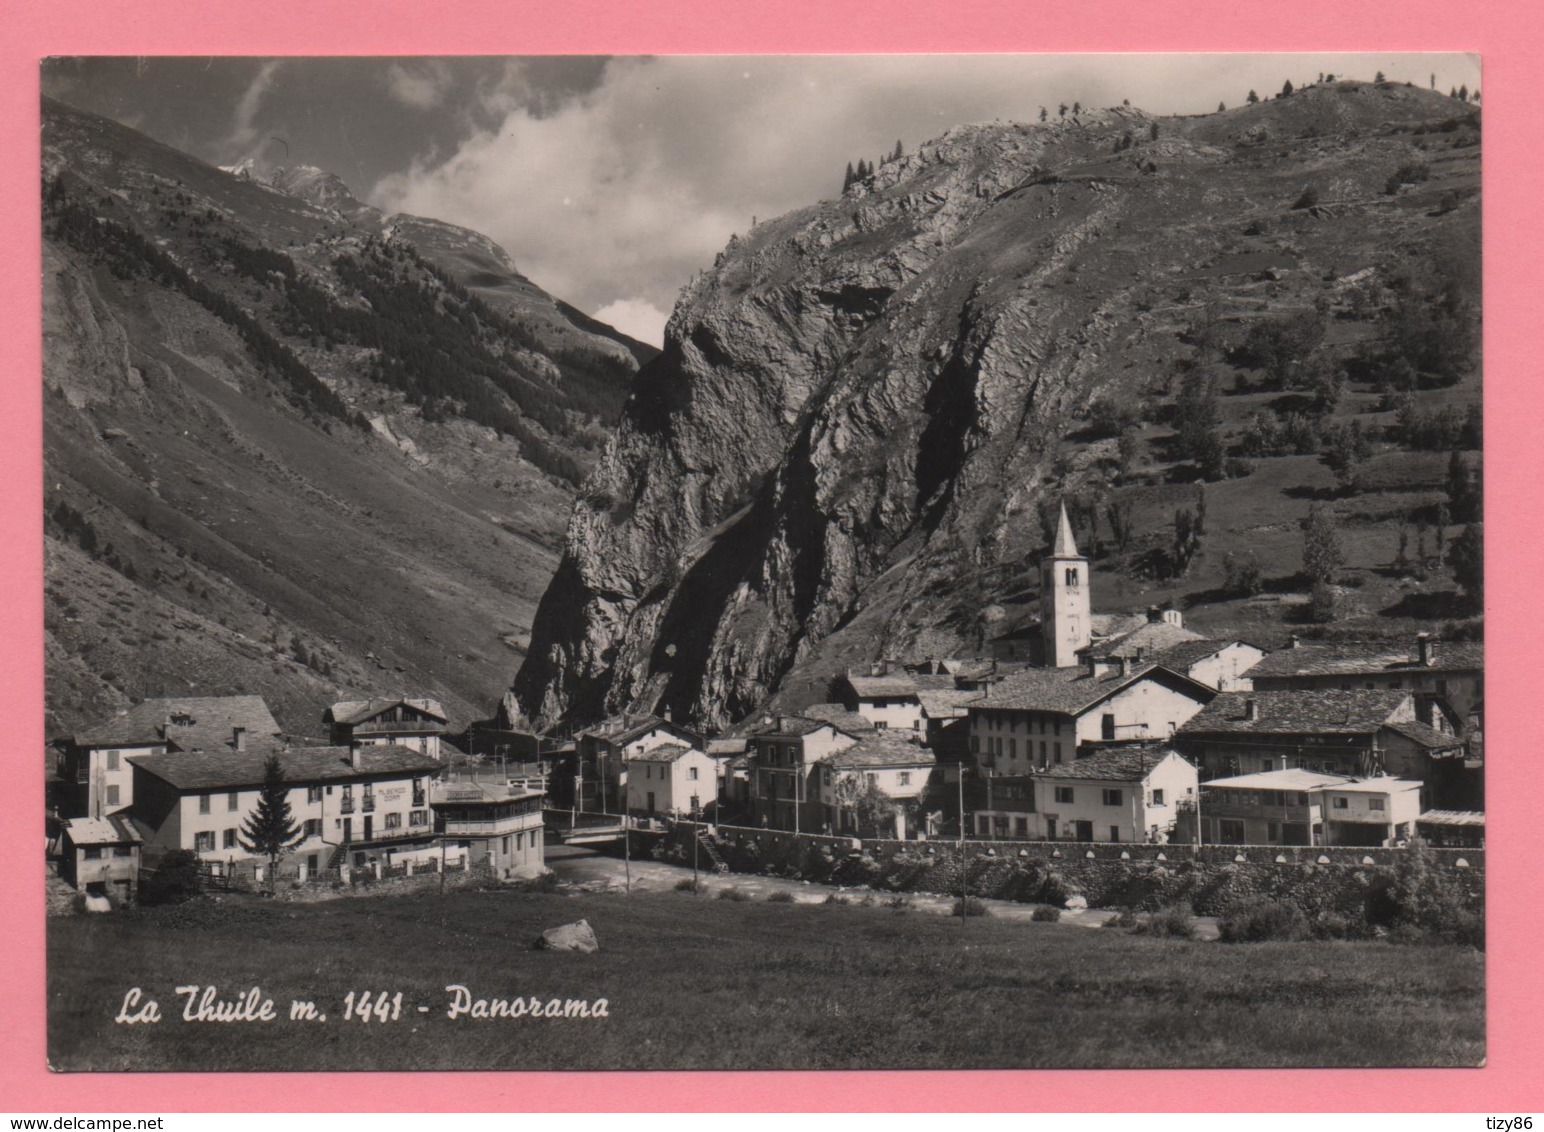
(697, 983)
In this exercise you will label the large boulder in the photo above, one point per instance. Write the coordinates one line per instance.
(577, 936)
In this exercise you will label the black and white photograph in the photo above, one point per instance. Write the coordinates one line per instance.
(763, 562)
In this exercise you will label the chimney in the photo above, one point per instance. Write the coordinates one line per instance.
(1093, 665)
(666, 714)
(355, 754)
(1427, 648)
(1124, 667)
(1174, 617)
(1154, 614)
(1293, 641)
(239, 738)
(876, 668)
(1140, 653)
(1251, 709)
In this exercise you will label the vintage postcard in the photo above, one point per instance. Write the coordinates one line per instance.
(763, 562)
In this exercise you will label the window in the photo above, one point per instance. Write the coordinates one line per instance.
(313, 793)
(1339, 802)
(1272, 831)
(916, 725)
(92, 852)
(1112, 797)
(204, 842)
(1158, 798)
(233, 801)
(112, 760)
(873, 779)
(1021, 827)
(1057, 753)
(112, 795)
(1056, 726)
(313, 827)
(1042, 750)
(1013, 748)
(1072, 576)
(975, 744)
(418, 817)
(1064, 794)
(393, 821)
(229, 841)
(1115, 833)
(691, 773)
(880, 725)
(126, 851)
(905, 778)
(1375, 804)
(203, 808)
(1107, 727)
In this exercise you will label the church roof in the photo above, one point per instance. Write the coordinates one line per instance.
(1064, 546)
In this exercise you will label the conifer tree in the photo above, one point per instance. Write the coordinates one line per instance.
(1253, 98)
(1463, 93)
(271, 829)
(1221, 106)
(1077, 108)
(1323, 555)
(849, 178)
(1286, 88)
(1378, 78)
(900, 151)
(1044, 114)
(1468, 561)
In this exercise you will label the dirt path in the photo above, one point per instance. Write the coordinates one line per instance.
(586, 868)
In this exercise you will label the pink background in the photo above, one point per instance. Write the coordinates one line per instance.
(1507, 34)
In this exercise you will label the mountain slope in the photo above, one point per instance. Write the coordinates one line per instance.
(861, 408)
(288, 448)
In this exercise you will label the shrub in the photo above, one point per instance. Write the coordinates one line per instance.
(1243, 576)
(969, 906)
(174, 880)
(837, 898)
(1172, 922)
(1263, 920)
(1309, 198)
(733, 894)
(782, 896)
(898, 903)
(548, 882)
(1127, 919)
(686, 884)
(1045, 914)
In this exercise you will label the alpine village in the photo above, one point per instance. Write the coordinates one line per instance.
(1071, 523)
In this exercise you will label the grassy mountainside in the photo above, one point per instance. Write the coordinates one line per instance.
(866, 407)
(290, 446)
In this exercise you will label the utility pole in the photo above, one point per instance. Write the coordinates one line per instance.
(964, 872)
(627, 851)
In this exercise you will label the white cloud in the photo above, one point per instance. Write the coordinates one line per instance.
(421, 87)
(631, 188)
(637, 318)
(244, 129)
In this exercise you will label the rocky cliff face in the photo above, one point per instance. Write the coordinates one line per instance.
(840, 453)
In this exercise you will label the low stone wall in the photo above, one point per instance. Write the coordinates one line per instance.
(1212, 879)
(363, 883)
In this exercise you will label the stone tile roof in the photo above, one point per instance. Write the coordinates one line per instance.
(358, 711)
(1427, 736)
(1361, 658)
(187, 723)
(1151, 637)
(1112, 764)
(111, 830)
(1070, 691)
(725, 746)
(228, 770)
(947, 703)
(474, 792)
(896, 684)
(792, 726)
(664, 753)
(880, 750)
(839, 715)
(1186, 653)
(1323, 711)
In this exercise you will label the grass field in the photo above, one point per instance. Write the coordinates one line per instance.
(695, 983)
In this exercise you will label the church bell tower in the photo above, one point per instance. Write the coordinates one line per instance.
(1065, 600)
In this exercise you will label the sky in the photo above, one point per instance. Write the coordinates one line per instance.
(611, 181)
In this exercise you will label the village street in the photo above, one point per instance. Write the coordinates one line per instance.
(592, 870)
